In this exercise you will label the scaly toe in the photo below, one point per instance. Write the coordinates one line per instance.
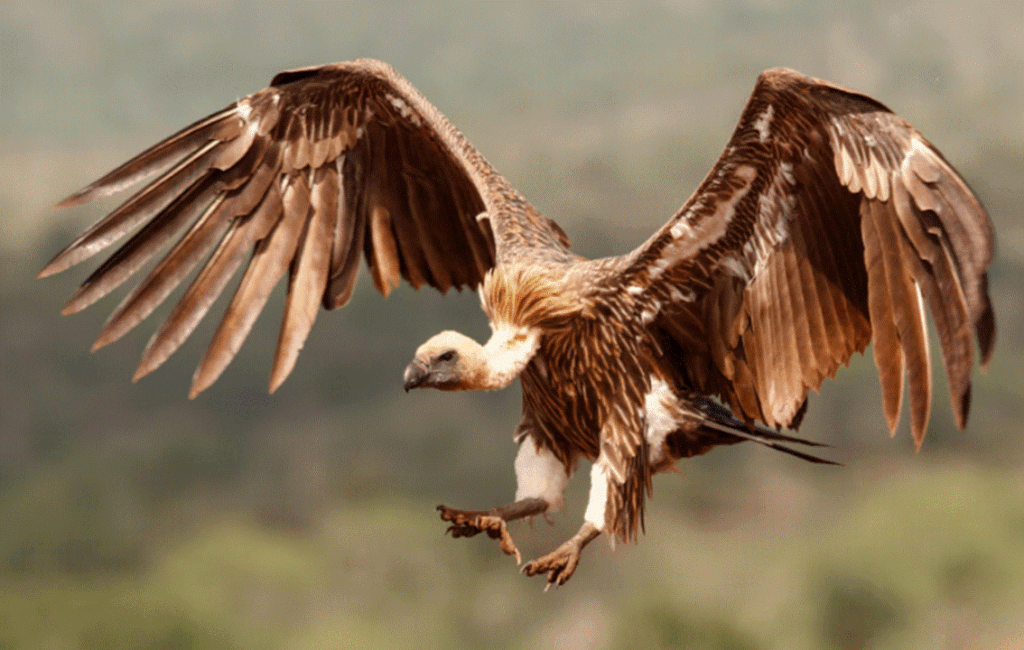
(470, 523)
(497, 528)
(559, 565)
(456, 517)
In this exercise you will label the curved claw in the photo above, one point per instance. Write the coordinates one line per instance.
(461, 530)
(559, 564)
(469, 524)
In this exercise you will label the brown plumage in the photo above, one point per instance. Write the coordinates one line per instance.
(828, 223)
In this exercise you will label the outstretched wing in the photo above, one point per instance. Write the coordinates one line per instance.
(325, 163)
(828, 223)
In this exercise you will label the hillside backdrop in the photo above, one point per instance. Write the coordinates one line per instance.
(131, 517)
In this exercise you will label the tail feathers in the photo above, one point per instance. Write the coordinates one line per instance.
(720, 420)
(772, 441)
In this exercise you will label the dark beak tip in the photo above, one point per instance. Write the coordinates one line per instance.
(414, 376)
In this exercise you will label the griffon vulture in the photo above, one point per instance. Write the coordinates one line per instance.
(827, 224)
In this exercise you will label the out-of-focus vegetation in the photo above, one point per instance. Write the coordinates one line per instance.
(131, 517)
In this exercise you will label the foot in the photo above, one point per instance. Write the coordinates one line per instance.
(561, 563)
(467, 523)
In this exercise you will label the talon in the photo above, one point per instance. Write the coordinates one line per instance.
(469, 524)
(461, 530)
(457, 517)
(497, 529)
(560, 564)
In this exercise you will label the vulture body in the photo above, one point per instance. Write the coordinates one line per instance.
(827, 224)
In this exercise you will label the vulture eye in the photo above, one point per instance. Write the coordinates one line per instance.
(447, 356)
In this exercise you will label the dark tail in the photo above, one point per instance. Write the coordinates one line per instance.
(720, 420)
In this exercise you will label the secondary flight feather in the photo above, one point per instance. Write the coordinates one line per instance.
(827, 224)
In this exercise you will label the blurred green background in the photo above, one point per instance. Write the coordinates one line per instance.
(131, 517)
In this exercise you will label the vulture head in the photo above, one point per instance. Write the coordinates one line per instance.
(448, 361)
(453, 361)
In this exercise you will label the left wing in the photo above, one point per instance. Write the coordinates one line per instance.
(325, 166)
(828, 223)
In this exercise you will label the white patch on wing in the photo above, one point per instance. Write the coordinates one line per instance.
(682, 294)
(734, 266)
(367, 116)
(775, 208)
(690, 237)
(634, 289)
(786, 169)
(598, 499)
(658, 267)
(763, 123)
(659, 419)
(649, 314)
(244, 109)
(405, 110)
(539, 474)
(246, 113)
(681, 228)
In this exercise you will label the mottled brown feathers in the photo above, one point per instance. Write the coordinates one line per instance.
(851, 215)
(827, 224)
(326, 164)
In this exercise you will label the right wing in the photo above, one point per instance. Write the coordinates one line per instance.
(326, 162)
(828, 223)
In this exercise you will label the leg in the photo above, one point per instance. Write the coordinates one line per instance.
(561, 563)
(540, 479)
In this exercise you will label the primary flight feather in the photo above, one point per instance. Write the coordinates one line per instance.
(827, 224)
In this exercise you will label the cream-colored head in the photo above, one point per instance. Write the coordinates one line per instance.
(447, 361)
(453, 361)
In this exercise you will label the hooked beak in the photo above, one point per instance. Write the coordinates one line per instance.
(415, 374)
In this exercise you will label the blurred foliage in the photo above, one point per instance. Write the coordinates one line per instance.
(131, 517)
